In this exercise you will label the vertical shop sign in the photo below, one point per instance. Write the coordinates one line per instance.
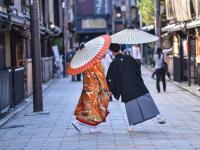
(99, 7)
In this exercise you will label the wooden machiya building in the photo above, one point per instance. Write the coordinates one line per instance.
(15, 48)
(183, 30)
(13, 38)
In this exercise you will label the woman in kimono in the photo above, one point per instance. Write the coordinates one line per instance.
(92, 108)
(124, 79)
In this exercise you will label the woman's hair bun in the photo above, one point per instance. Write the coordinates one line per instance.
(82, 45)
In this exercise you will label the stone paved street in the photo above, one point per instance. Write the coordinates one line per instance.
(53, 131)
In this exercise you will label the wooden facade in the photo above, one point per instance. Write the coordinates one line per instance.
(15, 50)
(184, 24)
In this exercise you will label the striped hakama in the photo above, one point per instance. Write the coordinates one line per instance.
(141, 109)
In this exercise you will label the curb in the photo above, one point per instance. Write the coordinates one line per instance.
(24, 104)
(186, 89)
(176, 83)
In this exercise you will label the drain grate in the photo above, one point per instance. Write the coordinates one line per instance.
(12, 127)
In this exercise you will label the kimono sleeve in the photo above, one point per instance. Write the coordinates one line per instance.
(114, 80)
(102, 78)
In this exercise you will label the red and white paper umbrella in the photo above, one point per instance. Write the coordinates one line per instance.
(86, 56)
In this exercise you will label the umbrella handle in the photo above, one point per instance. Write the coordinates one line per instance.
(82, 45)
(131, 27)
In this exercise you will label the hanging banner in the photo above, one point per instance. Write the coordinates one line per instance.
(196, 5)
(85, 7)
(178, 9)
(197, 48)
(185, 47)
(93, 7)
(99, 7)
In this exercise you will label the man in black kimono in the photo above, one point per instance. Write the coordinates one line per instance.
(124, 79)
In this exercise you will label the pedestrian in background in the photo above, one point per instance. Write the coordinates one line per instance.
(160, 69)
(107, 59)
(136, 53)
(165, 53)
(128, 49)
(69, 55)
(124, 79)
(78, 76)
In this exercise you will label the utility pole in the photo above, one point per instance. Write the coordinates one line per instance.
(113, 15)
(189, 59)
(157, 23)
(36, 56)
(129, 13)
(123, 10)
(139, 25)
(140, 16)
(65, 33)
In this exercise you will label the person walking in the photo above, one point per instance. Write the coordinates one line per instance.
(165, 53)
(92, 108)
(106, 60)
(136, 53)
(160, 69)
(124, 79)
(69, 55)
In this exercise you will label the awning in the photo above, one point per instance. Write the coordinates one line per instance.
(148, 28)
(193, 24)
(181, 26)
(3, 15)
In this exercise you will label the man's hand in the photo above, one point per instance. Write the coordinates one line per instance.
(109, 93)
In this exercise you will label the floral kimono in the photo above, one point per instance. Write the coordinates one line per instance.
(92, 107)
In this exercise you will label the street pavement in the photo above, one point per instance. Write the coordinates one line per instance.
(52, 130)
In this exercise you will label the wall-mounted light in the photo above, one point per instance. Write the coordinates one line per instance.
(118, 15)
(123, 8)
(52, 26)
(63, 4)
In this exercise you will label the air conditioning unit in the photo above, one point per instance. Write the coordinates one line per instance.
(9, 2)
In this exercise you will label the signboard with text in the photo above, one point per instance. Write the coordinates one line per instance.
(91, 25)
(93, 16)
